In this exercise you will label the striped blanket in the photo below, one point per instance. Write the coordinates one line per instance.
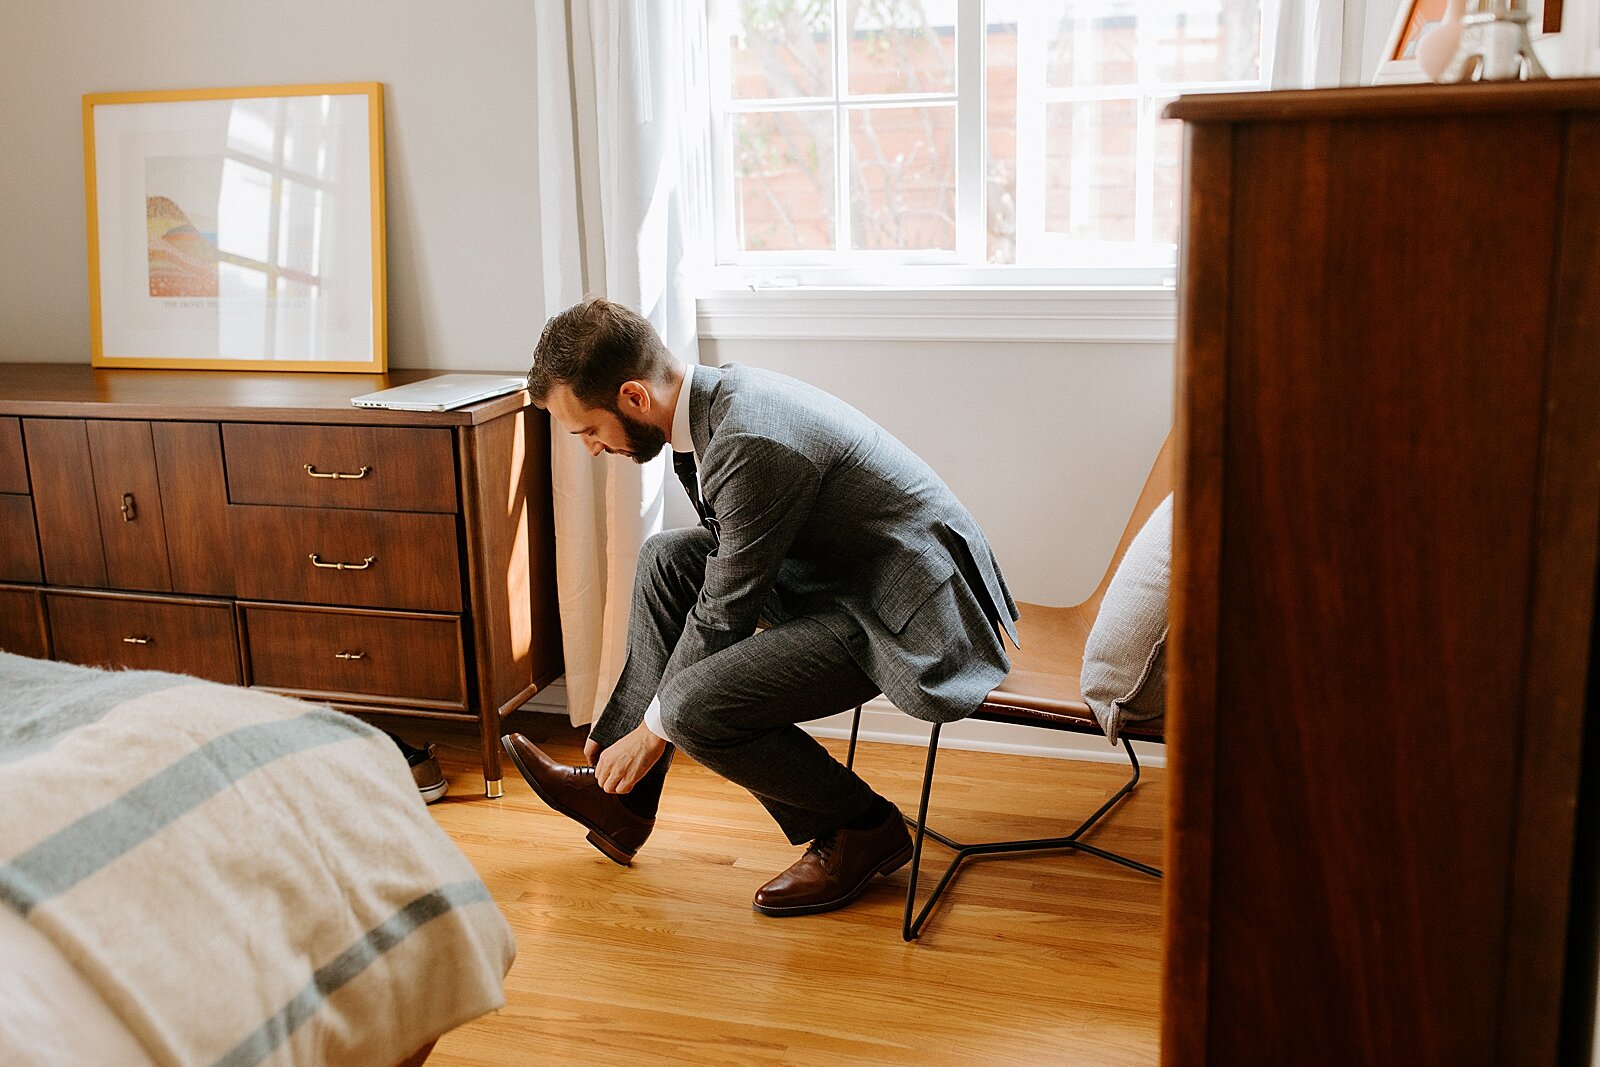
(243, 878)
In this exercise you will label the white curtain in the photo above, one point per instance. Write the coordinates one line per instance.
(1305, 41)
(623, 172)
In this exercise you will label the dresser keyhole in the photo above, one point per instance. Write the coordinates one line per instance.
(129, 512)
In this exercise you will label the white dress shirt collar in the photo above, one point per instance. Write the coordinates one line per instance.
(682, 439)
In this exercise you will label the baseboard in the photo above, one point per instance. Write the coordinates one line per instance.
(551, 699)
(881, 721)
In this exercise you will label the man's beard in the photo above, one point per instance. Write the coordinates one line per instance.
(644, 441)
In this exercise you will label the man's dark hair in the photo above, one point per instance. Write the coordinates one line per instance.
(592, 348)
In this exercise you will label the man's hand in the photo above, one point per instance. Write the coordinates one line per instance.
(622, 765)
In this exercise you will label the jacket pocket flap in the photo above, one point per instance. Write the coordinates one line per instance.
(899, 596)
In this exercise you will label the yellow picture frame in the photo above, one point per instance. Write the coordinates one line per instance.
(291, 274)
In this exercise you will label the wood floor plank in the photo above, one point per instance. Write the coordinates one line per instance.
(1047, 959)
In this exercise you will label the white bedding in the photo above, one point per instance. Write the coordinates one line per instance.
(235, 878)
(49, 1015)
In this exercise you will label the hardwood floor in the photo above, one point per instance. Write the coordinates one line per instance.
(1039, 960)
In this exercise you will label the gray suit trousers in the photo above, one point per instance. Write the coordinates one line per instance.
(735, 711)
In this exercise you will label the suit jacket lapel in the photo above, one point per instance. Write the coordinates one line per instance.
(702, 390)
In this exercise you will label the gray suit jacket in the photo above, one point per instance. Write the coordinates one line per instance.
(823, 513)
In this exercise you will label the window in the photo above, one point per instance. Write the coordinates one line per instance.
(960, 141)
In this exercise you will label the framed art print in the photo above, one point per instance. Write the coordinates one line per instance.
(237, 228)
(1412, 20)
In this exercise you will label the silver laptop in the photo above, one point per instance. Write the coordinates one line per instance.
(442, 393)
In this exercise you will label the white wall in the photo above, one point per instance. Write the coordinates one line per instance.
(463, 264)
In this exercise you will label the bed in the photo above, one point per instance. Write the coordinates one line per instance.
(193, 873)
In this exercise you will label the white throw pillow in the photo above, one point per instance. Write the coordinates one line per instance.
(1125, 658)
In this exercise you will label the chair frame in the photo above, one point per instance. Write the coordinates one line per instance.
(914, 920)
(1012, 706)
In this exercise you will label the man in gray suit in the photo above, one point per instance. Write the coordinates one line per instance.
(831, 564)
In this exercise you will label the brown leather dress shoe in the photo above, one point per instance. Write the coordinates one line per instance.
(574, 792)
(836, 868)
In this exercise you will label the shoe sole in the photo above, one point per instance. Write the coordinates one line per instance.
(889, 866)
(607, 847)
(433, 792)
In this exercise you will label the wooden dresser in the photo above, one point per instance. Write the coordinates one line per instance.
(1384, 579)
(257, 529)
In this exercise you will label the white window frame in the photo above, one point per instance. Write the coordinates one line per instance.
(1148, 94)
(1118, 265)
(970, 231)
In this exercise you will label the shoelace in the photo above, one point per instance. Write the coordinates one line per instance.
(824, 847)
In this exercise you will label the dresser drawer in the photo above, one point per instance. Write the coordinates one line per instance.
(376, 559)
(21, 623)
(411, 659)
(145, 633)
(19, 543)
(13, 463)
(386, 468)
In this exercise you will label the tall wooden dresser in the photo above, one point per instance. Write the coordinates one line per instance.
(257, 529)
(1383, 604)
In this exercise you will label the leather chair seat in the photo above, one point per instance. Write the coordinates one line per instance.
(1043, 687)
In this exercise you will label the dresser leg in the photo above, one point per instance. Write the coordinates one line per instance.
(489, 734)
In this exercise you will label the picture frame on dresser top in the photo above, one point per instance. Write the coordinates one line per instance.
(237, 228)
(1412, 20)
(236, 527)
(1558, 51)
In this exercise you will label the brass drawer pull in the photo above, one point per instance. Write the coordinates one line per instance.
(311, 470)
(136, 640)
(349, 655)
(129, 512)
(316, 561)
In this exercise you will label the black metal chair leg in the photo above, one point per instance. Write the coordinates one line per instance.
(912, 928)
(908, 928)
(855, 728)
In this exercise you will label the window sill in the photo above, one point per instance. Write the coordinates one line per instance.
(1138, 315)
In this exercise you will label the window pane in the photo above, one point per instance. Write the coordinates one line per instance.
(783, 180)
(1207, 40)
(903, 177)
(1000, 121)
(1091, 43)
(1168, 178)
(1078, 171)
(1089, 169)
(902, 46)
(780, 48)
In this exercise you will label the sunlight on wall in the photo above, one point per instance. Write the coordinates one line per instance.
(517, 572)
(516, 581)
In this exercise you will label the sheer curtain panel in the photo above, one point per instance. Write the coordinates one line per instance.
(621, 178)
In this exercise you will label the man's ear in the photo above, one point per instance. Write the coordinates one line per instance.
(634, 397)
